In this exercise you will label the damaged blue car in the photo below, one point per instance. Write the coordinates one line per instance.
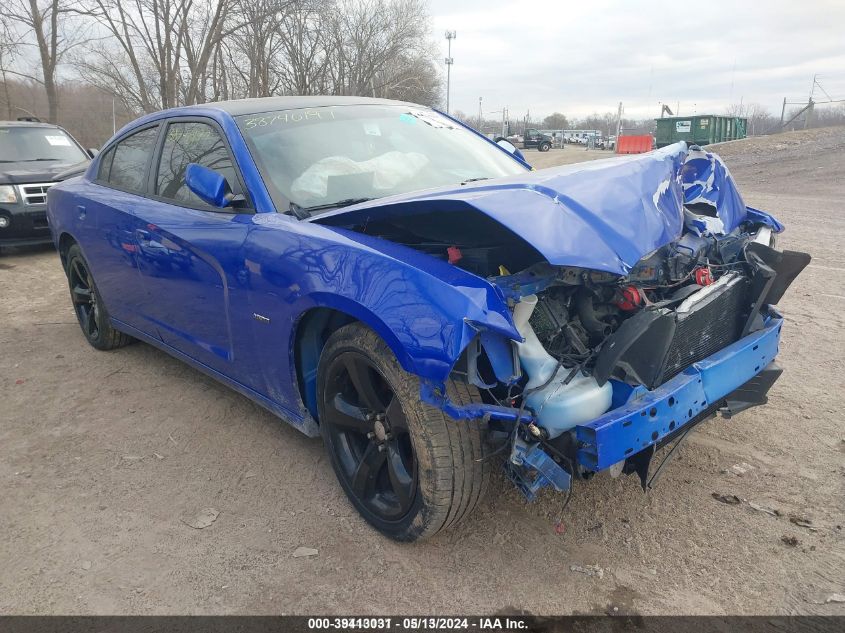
(383, 276)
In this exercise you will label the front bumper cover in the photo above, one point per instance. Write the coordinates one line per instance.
(27, 225)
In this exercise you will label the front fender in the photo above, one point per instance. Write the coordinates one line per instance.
(425, 309)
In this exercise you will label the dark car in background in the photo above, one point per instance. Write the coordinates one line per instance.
(535, 138)
(33, 157)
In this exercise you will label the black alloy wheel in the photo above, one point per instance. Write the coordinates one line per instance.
(84, 298)
(409, 469)
(88, 304)
(370, 436)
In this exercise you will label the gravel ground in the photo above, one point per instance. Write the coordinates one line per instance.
(564, 156)
(106, 457)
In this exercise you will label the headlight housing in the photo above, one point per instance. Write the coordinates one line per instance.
(7, 194)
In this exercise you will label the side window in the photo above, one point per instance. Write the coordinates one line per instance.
(127, 162)
(186, 143)
(105, 165)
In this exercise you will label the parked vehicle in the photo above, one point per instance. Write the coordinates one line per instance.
(608, 142)
(383, 276)
(580, 137)
(535, 138)
(32, 157)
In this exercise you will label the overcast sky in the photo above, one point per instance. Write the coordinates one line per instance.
(579, 57)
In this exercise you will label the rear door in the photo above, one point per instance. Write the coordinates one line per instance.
(105, 221)
(191, 254)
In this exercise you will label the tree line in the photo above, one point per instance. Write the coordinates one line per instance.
(107, 61)
(154, 54)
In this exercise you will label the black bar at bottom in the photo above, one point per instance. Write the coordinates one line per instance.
(523, 623)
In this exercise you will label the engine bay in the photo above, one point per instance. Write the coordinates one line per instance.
(594, 340)
(616, 301)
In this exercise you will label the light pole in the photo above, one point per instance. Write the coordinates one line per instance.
(479, 113)
(450, 35)
(504, 113)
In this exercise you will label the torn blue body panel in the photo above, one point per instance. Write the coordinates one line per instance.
(707, 182)
(602, 215)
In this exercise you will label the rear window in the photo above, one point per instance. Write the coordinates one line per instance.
(33, 144)
(125, 165)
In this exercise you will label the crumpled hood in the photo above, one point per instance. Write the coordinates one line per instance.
(601, 215)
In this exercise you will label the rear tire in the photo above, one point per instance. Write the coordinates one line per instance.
(88, 305)
(410, 470)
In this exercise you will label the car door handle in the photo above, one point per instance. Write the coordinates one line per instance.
(80, 210)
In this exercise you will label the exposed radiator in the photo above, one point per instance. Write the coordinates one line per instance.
(710, 323)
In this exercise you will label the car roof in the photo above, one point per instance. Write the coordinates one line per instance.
(240, 107)
(27, 124)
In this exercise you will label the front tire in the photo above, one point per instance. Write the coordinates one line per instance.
(88, 305)
(406, 467)
(544, 147)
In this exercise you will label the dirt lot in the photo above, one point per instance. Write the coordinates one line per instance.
(564, 156)
(104, 456)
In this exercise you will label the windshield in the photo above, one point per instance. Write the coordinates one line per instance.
(317, 158)
(23, 144)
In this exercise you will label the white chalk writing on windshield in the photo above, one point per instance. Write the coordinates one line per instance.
(290, 116)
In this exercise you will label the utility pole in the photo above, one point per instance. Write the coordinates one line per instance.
(479, 113)
(619, 121)
(810, 103)
(450, 35)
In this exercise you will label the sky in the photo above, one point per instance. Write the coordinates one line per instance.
(580, 57)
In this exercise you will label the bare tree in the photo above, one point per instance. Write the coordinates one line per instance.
(364, 47)
(555, 121)
(204, 28)
(365, 36)
(158, 53)
(304, 42)
(162, 53)
(85, 110)
(759, 119)
(410, 77)
(51, 23)
(8, 50)
(139, 59)
(246, 62)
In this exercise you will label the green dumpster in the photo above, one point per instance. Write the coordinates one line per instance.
(701, 129)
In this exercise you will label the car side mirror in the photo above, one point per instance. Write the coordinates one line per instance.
(510, 148)
(209, 186)
(92, 152)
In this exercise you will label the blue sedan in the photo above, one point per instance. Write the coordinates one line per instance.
(381, 275)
